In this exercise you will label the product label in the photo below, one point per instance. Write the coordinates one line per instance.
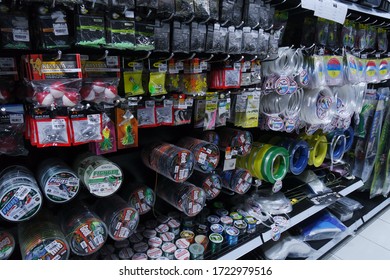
(21, 35)
(7, 245)
(61, 187)
(282, 85)
(275, 123)
(60, 29)
(89, 237)
(103, 179)
(124, 223)
(323, 105)
(20, 203)
(142, 200)
(58, 124)
(277, 186)
(48, 250)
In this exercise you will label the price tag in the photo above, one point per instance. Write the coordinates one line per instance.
(308, 4)
(60, 29)
(150, 104)
(93, 119)
(332, 10)
(16, 118)
(229, 164)
(112, 61)
(275, 232)
(21, 35)
(58, 124)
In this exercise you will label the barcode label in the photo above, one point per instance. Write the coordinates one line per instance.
(7, 62)
(22, 193)
(168, 103)
(53, 248)
(150, 104)
(163, 67)
(21, 35)
(93, 119)
(58, 124)
(16, 118)
(112, 61)
(202, 158)
(124, 233)
(203, 65)
(99, 239)
(138, 66)
(183, 174)
(60, 29)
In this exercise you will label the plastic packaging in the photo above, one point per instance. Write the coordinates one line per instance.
(238, 140)
(325, 226)
(210, 183)
(140, 197)
(238, 180)
(58, 181)
(185, 197)
(287, 246)
(100, 176)
(206, 154)
(43, 240)
(85, 232)
(7, 244)
(175, 163)
(20, 195)
(120, 218)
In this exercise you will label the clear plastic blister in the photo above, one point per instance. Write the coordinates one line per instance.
(184, 9)
(181, 37)
(86, 128)
(198, 37)
(220, 37)
(202, 9)
(234, 40)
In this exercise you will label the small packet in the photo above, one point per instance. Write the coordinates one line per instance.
(264, 44)
(108, 144)
(146, 116)
(382, 40)
(322, 30)
(223, 111)
(199, 112)
(174, 78)
(86, 126)
(211, 111)
(132, 77)
(348, 34)
(250, 40)
(15, 29)
(227, 11)
(195, 77)
(90, 28)
(234, 40)
(144, 35)
(220, 37)
(126, 129)
(361, 42)
(181, 37)
(184, 10)
(158, 70)
(164, 113)
(198, 37)
(165, 8)
(214, 9)
(162, 34)
(120, 31)
(252, 13)
(202, 9)
(209, 38)
(371, 71)
(334, 70)
(182, 109)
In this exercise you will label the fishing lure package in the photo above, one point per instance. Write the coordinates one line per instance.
(157, 76)
(52, 29)
(108, 145)
(90, 27)
(126, 129)
(198, 37)
(162, 35)
(120, 30)
(181, 37)
(146, 114)
(144, 35)
(133, 77)
(86, 126)
(15, 29)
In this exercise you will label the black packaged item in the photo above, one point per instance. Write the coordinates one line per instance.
(308, 32)
(361, 42)
(52, 29)
(322, 30)
(234, 40)
(266, 16)
(219, 38)
(90, 29)
(333, 35)
(15, 30)
(348, 34)
(250, 40)
(237, 12)
(280, 22)
(209, 38)
(121, 31)
(162, 35)
(371, 37)
(181, 37)
(127, 4)
(166, 9)
(146, 8)
(198, 37)
(202, 9)
(382, 40)
(144, 35)
(184, 10)
(214, 10)
(273, 46)
(227, 9)
(252, 12)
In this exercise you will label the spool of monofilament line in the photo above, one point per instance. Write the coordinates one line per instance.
(206, 154)
(121, 219)
(185, 197)
(238, 180)
(42, 239)
(235, 139)
(58, 182)
(85, 232)
(20, 196)
(173, 162)
(100, 176)
(140, 197)
(210, 183)
(7, 244)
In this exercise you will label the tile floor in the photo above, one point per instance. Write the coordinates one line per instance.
(371, 242)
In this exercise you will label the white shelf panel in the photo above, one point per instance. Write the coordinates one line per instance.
(376, 210)
(367, 10)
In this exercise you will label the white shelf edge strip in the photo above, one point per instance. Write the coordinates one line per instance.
(376, 210)
(328, 246)
(312, 210)
(368, 11)
(243, 249)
